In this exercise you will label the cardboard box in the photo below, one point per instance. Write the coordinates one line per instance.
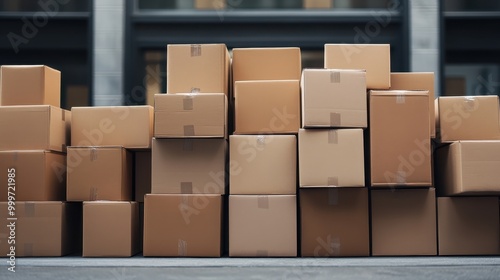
(42, 229)
(468, 168)
(262, 226)
(127, 126)
(318, 4)
(468, 226)
(331, 158)
(142, 171)
(263, 164)
(36, 127)
(110, 229)
(251, 64)
(182, 225)
(30, 85)
(417, 81)
(467, 118)
(374, 58)
(210, 4)
(455, 86)
(267, 107)
(198, 68)
(188, 166)
(403, 222)
(400, 151)
(190, 116)
(39, 175)
(99, 173)
(334, 222)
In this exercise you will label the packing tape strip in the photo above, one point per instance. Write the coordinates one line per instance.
(470, 104)
(189, 130)
(333, 196)
(263, 202)
(261, 141)
(14, 156)
(400, 99)
(29, 209)
(186, 187)
(187, 103)
(401, 177)
(333, 137)
(182, 248)
(334, 245)
(335, 119)
(195, 90)
(93, 194)
(334, 77)
(261, 253)
(195, 50)
(93, 154)
(28, 249)
(333, 181)
(187, 145)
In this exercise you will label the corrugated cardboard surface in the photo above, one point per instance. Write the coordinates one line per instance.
(334, 98)
(35, 127)
(182, 225)
(403, 222)
(190, 116)
(40, 175)
(142, 174)
(334, 222)
(198, 68)
(263, 164)
(188, 166)
(468, 167)
(30, 85)
(267, 107)
(127, 126)
(99, 173)
(374, 58)
(468, 118)
(331, 157)
(400, 139)
(262, 226)
(110, 229)
(468, 226)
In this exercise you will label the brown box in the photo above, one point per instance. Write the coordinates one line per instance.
(467, 118)
(188, 166)
(455, 86)
(210, 4)
(142, 174)
(400, 150)
(417, 81)
(403, 222)
(30, 85)
(317, 4)
(99, 173)
(182, 225)
(110, 229)
(262, 226)
(198, 68)
(127, 126)
(468, 168)
(35, 127)
(263, 164)
(331, 158)
(42, 229)
(39, 175)
(374, 58)
(267, 107)
(468, 226)
(334, 222)
(190, 116)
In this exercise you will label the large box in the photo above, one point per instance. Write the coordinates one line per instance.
(467, 118)
(198, 68)
(99, 173)
(42, 229)
(110, 229)
(39, 175)
(36, 127)
(468, 226)
(334, 98)
(262, 226)
(29, 85)
(142, 172)
(267, 107)
(334, 222)
(263, 164)
(403, 222)
(182, 225)
(331, 158)
(468, 168)
(400, 151)
(190, 115)
(188, 166)
(127, 126)
(417, 81)
(374, 58)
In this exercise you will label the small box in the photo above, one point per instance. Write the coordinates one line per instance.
(30, 85)
(263, 164)
(210, 4)
(110, 229)
(182, 225)
(374, 58)
(99, 173)
(142, 174)
(35, 127)
(318, 4)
